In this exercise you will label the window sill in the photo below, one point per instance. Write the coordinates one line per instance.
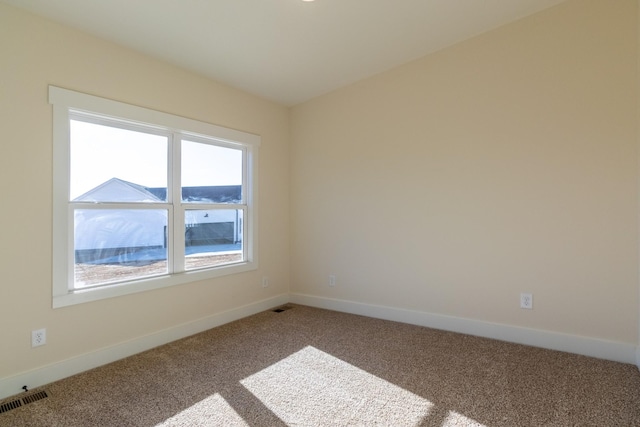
(119, 289)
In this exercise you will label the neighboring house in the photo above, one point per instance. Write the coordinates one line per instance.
(133, 235)
(118, 190)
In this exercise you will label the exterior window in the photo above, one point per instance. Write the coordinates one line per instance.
(144, 199)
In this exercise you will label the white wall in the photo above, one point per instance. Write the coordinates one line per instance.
(35, 53)
(508, 163)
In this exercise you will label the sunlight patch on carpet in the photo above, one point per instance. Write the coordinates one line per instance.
(311, 387)
(213, 410)
(456, 419)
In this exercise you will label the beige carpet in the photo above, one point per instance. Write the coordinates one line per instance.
(312, 367)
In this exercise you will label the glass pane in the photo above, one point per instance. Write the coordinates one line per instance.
(211, 174)
(110, 164)
(212, 237)
(112, 245)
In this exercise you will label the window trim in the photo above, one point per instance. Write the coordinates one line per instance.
(66, 103)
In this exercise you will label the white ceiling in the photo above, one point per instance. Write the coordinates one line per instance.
(287, 51)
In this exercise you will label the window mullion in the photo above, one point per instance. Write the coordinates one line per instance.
(118, 206)
(210, 206)
(177, 230)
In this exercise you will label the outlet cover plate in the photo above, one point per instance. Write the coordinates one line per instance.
(526, 301)
(38, 337)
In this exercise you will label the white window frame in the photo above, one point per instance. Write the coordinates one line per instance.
(66, 103)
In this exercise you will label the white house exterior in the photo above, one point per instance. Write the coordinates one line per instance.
(103, 234)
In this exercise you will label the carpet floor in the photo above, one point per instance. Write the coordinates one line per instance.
(311, 367)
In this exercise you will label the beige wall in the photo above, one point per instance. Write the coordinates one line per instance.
(36, 53)
(501, 165)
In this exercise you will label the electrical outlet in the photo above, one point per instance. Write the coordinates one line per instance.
(265, 281)
(38, 337)
(332, 280)
(526, 301)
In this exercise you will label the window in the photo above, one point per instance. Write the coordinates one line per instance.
(144, 199)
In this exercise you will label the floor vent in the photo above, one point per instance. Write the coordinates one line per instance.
(16, 403)
(6, 407)
(35, 397)
(281, 309)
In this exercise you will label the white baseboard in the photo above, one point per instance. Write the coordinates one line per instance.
(10, 386)
(602, 349)
(593, 347)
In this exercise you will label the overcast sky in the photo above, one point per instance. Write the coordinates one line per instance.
(99, 153)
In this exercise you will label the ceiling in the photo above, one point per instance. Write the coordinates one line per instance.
(287, 51)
